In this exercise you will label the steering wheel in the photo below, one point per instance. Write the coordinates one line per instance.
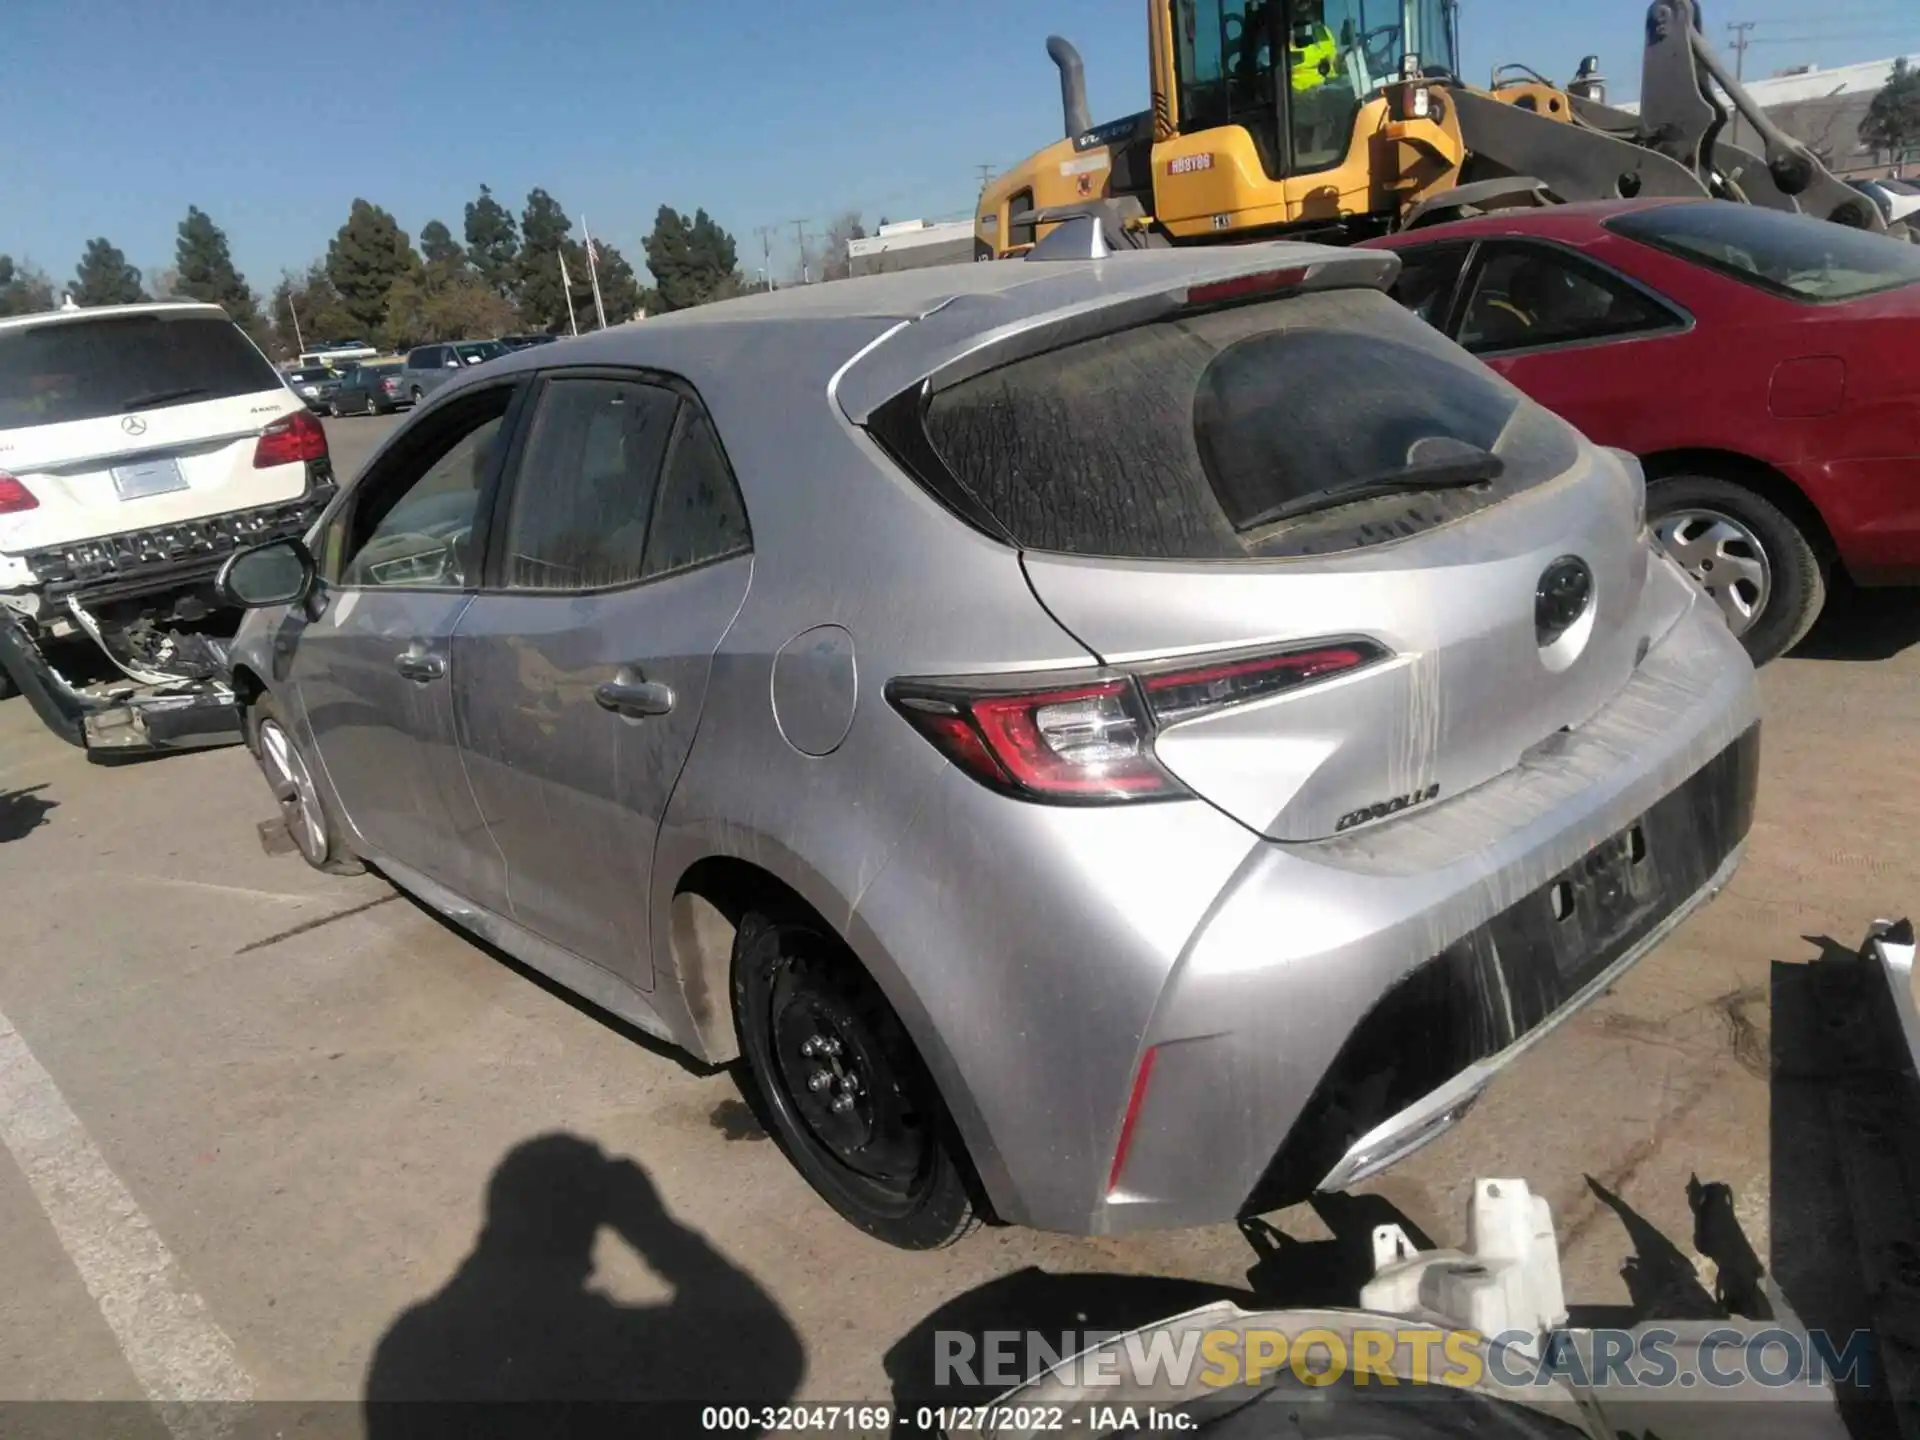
(1384, 39)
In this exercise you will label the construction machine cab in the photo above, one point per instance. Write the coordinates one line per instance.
(1294, 73)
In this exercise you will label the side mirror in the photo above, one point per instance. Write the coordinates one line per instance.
(277, 573)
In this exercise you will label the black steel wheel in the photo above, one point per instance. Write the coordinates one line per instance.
(844, 1090)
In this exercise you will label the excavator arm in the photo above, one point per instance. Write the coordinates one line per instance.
(1578, 148)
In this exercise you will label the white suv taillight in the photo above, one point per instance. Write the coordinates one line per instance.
(295, 437)
(1092, 743)
(15, 497)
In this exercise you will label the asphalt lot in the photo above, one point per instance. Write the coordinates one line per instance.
(252, 1112)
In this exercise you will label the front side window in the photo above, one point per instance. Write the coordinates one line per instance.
(1428, 276)
(1529, 295)
(1324, 422)
(112, 365)
(1794, 256)
(410, 524)
(583, 495)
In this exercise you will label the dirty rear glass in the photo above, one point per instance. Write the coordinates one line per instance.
(83, 369)
(1792, 255)
(1284, 428)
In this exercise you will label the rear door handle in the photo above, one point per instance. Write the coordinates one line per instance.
(419, 666)
(633, 697)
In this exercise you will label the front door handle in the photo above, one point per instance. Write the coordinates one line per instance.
(633, 697)
(419, 666)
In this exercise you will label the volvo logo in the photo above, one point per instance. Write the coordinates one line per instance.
(1562, 597)
(134, 425)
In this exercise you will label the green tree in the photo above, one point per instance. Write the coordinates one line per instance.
(545, 238)
(493, 244)
(1892, 123)
(103, 276)
(306, 312)
(439, 248)
(24, 290)
(693, 261)
(205, 269)
(364, 259)
(430, 306)
(619, 288)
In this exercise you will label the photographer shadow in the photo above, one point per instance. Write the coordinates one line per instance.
(516, 1343)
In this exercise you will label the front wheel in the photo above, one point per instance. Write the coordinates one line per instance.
(310, 819)
(1753, 560)
(843, 1088)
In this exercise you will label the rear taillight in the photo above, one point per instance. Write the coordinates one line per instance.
(392, 387)
(15, 497)
(1176, 695)
(1087, 743)
(1092, 743)
(290, 440)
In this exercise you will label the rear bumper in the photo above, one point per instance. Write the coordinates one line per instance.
(1313, 1011)
(127, 720)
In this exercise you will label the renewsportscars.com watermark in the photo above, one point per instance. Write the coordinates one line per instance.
(1649, 1358)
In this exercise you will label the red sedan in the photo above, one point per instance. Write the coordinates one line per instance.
(1764, 366)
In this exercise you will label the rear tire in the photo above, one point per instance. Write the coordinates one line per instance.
(7, 688)
(888, 1158)
(1752, 559)
(306, 810)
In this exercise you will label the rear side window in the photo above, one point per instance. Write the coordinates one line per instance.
(584, 493)
(114, 365)
(1299, 426)
(1796, 256)
(699, 515)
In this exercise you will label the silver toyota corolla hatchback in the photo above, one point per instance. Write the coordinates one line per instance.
(1108, 743)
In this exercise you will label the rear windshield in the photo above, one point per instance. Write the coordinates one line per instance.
(486, 350)
(392, 367)
(314, 374)
(1792, 255)
(1297, 426)
(84, 369)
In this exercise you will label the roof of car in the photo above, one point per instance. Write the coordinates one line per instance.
(103, 312)
(880, 333)
(1581, 218)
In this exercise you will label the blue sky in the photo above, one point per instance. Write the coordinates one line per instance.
(273, 117)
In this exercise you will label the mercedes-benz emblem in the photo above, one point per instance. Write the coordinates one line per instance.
(134, 425)
(1562, 596)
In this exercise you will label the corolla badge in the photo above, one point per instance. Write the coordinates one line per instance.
(1561, 598)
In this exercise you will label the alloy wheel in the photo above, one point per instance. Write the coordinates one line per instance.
(292, 785)
(1724, 557)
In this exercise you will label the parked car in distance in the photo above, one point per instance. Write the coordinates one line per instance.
(431, 366)
(1760, 364)
(338, 354)
(375, 389)
(522, 342)
(314, 384)
(1254, 722)
(1899, 202)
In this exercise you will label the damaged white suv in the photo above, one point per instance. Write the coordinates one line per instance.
(140, 445)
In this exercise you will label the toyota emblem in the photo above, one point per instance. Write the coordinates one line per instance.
(134, 425)
(1561, 598)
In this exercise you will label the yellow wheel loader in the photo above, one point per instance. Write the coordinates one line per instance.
(1334, 120)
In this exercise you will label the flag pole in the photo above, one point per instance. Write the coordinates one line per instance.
(593, 274)
(566, 288)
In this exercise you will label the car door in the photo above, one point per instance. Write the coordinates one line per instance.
(622, 556)
(1582, 339)
(374, 667)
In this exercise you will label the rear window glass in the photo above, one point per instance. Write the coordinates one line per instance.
(1298, 426)
(1792, 255)
(84, 369)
